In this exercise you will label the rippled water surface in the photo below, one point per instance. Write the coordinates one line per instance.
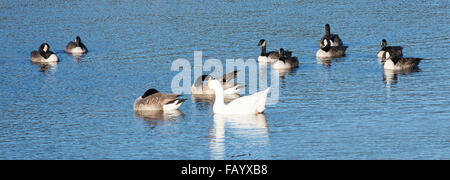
(347, 108)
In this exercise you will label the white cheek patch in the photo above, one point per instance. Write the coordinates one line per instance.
(264, 43)
(45, 48)
(325, 42)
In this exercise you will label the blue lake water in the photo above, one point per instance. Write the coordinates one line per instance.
(348, 108)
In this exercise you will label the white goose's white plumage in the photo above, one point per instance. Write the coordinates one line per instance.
(251, 104)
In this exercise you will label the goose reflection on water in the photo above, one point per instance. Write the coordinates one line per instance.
(47, 67)
(325, 61)
(250, 130)
(157, 117)
(77, 57)
(390, 77)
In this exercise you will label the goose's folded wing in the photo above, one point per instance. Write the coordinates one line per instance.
(395, 51)
(228, 77)
(336, 40)
(338, 48)
(251, 100)
(409, 62)
(83, 47)
(293, 61)
(287, 54)
(168, 98)
(159, 99)
(71, 45)
(273, 55)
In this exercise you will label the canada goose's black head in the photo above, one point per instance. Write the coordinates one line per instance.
(282, 55)
(44, 50)
(383, 43)
(327, 29)
(78, 40)
(44, 47)
(149, 92)
(262, 42)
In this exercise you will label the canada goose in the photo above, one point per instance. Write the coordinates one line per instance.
(330, 45)
(395, 50)
(285, 62)
(251, 104)
(43, 54)
(399, 63)
(271, 56)
(328, 51)
(76, 47)
(334, 38)
(230, 88)
(154, 100)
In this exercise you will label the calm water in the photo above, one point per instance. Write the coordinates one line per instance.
(344, 109)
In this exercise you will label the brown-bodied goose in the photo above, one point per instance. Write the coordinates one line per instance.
(43, 54)
(271, 56)
(399, 63)
(76, 47)
(395, 50)
(152, 100)
(330, 45)
(285, 62)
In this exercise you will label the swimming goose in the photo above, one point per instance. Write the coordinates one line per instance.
(399, 63)
(328, 51)
(285, 62)
(153, 100)
(330, 45)
(43, 54)
(395, 50)
(229, 87)
(334, 38)
(251, 104)
(76, 47)
(271, 56)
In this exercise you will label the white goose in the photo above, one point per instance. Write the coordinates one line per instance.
(251, 104)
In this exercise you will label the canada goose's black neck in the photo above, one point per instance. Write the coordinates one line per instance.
(263, 50)
(328, 46)
(327, 31)
(282, 57)
(78, 41)
(383, 44)
(44, 50)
